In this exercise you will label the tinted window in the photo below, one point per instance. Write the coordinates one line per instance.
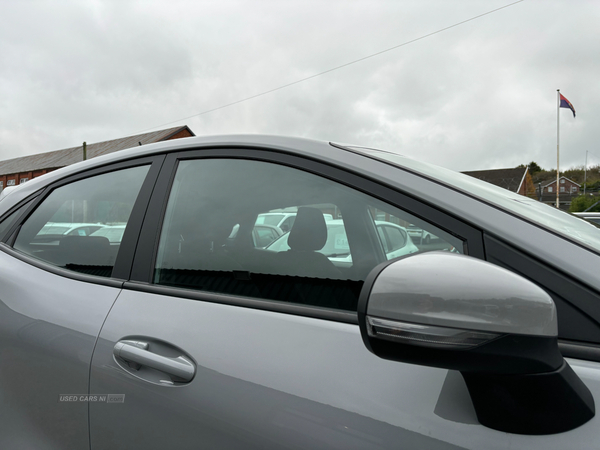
(62, 230)
(396, 236)
(207, 240)
(269, 219)
(264, 236)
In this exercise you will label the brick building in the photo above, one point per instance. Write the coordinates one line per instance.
(567, 191)
(566, 186)
(20, 170)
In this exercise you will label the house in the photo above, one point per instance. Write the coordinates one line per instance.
(515, 180)
(566, 186)
(567, 190)
(20, 170)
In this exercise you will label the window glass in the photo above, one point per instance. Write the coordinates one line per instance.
(210, 238)
(79, 226)
(263, 235)
(396, 236)
(270, 219)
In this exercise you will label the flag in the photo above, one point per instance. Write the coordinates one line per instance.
(564, 103)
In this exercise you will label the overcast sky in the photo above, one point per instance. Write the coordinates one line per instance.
(480, 95)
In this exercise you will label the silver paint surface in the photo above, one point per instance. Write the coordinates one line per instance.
(48, 328)
(458, 291)
(271, 380)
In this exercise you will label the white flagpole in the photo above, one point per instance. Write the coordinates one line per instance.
(585, 173)
(557, 145)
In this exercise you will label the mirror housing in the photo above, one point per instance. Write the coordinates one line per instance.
(498, 329)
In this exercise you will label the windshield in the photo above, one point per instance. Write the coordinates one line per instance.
(114, 234)
(269, 219)
(530, 209)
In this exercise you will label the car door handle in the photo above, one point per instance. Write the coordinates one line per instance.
(137, 352)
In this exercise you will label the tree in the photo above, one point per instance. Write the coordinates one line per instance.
(534, 167)
(583, 202)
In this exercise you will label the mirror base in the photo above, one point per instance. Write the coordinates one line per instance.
(533, 404)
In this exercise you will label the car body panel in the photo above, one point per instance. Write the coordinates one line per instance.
(298, 383)
(46, 347)
(114, 233)
(80, 229)
(593, 217)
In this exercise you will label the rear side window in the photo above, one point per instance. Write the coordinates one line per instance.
(79, 226)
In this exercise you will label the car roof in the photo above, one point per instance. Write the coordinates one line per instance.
(292, 145)
(587, 214)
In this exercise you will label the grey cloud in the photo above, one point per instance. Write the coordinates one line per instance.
(478, 96)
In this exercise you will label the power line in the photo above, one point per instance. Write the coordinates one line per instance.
(334, 68)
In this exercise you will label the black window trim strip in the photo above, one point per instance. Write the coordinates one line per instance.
(18, 219)
(130, 240)
(579, 350)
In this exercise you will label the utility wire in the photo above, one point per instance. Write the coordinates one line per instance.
(334, 68)
(590, 153)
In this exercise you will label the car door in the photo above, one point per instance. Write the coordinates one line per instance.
(55, 294)
(219, 344)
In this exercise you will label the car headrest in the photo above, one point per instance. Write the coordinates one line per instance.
(309, 232)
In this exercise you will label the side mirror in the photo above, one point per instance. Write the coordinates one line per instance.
(498, 329)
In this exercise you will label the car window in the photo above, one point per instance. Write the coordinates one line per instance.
(63, 228)
(264, 235)
(338, 235)
(288, 223)
(397, 237)
(269, 219)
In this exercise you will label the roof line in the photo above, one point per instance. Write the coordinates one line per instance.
(523, 179)
(554, 181)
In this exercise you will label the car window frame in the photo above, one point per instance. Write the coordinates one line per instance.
(144, 261)
(20, 209)
(561, 287)
(122, 268)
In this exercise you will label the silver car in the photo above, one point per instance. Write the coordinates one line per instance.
(176, 336)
